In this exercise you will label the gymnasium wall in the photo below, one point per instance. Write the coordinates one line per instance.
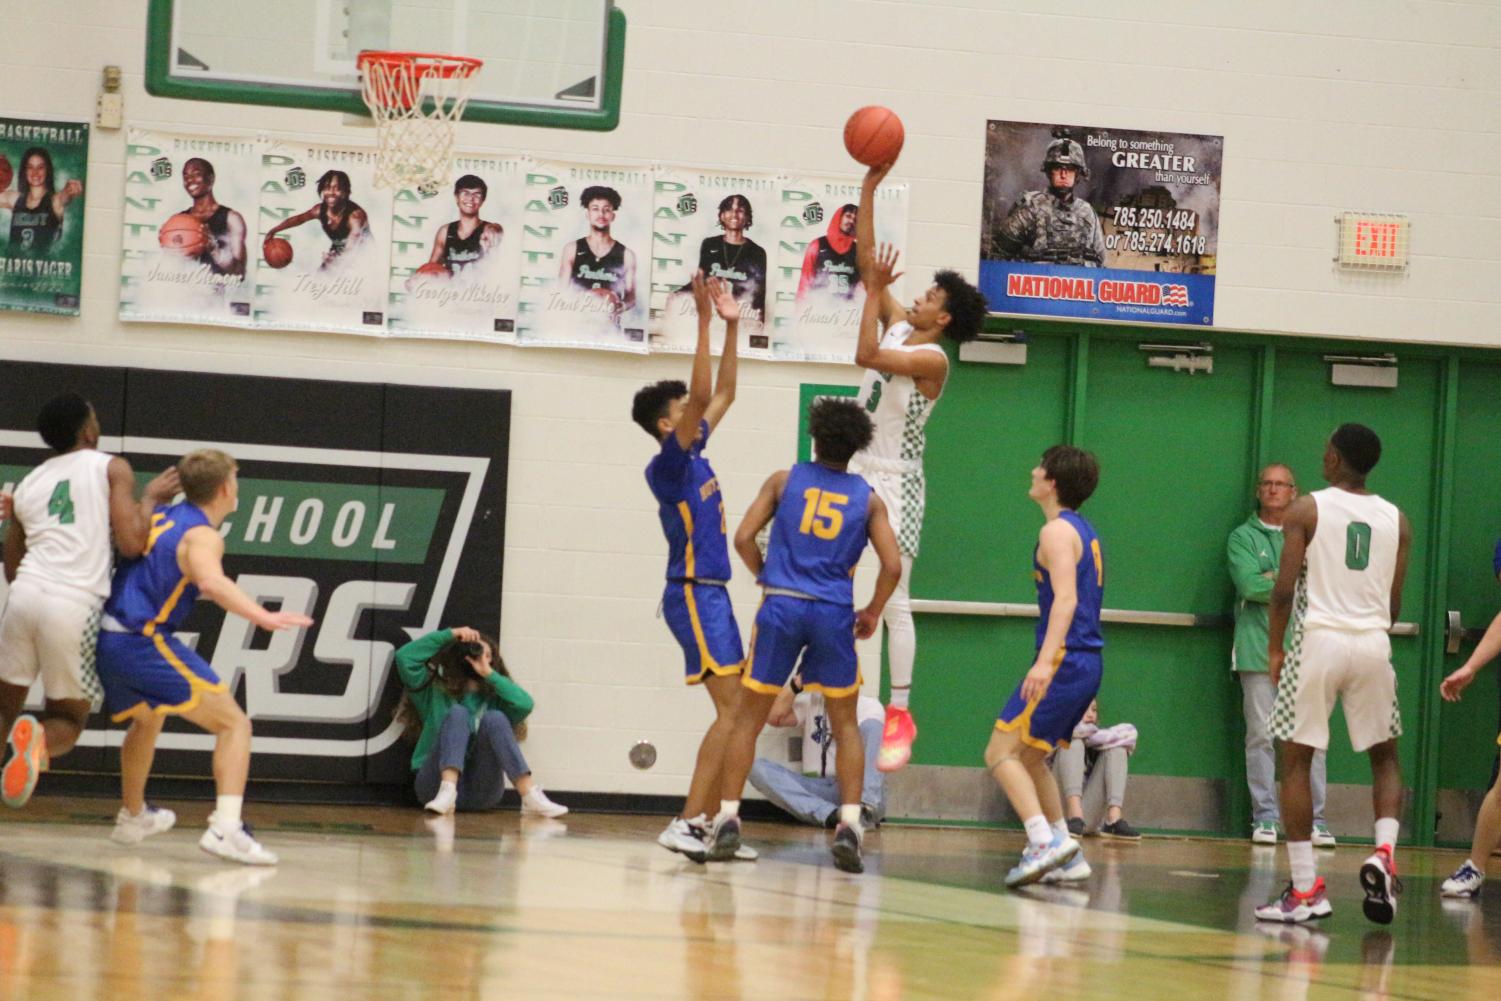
(1349, 105)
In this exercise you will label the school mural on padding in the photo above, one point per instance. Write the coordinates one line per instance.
(324, 240)
(187, 251)
(721, 223)
(585, 273)
(816, 316)
(43, 167)
(455, 262)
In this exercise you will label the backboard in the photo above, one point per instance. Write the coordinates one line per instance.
(547, 62)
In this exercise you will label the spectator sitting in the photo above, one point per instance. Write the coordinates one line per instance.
(1091, 774)
(470, 715)
(813, 797)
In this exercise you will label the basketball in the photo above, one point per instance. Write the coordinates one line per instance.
(433, 269)
(6, 173)
(277, 252)
(874, 135)
(182, 234)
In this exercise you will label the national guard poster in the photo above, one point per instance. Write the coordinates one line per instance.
(187, 245)
(1099, 223)
(42, 172)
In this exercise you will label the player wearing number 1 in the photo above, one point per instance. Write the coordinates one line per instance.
(1344, 558)
(57, 558)
(906, 370)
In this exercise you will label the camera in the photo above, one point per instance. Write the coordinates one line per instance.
(471, 649)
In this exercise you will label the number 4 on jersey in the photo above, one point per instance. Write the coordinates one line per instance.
(61, 503)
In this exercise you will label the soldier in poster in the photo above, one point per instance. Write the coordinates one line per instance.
(1055, 225)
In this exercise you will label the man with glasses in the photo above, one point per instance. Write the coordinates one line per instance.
(1254, 553)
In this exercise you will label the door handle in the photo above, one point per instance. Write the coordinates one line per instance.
(1454, 632)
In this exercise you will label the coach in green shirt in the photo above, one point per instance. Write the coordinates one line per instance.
(1254, 554)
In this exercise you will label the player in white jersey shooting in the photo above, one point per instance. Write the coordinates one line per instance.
(57, 559)
(905, 374)
(1344, 559)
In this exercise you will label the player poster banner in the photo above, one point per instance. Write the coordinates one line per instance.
(324, 240)
(42, 171)
(586, 268)
(186, 250)
(707, 220)
(819, 294)
(456, 255)
(1102, 224)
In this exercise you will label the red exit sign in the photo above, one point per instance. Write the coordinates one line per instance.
(1370, 240)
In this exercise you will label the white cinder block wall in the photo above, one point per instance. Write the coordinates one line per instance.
(1355, 104)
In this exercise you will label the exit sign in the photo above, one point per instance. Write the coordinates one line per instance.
(1372, 241)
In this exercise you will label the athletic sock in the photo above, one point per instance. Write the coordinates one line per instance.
(849, 815)
(226, 819)
(727, 808)
(1387, 829)
(1039, 831)
(899, 696)
(1060, 827)
(1300, 857)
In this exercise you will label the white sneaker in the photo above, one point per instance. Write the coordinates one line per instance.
(745, 853)
(1465, 882)
(445, 801)
(685, 839)
(237, 846)
(536, 802)
(1075, 870)
(1323, 837)
(132, 830)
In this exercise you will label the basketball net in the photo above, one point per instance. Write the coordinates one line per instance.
(416, 98)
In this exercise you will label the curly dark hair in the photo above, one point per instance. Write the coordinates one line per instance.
(594, 191)
(1074, 472)
(965, 305)
(1358, 445)
(728, 202)
(651, 403)
(840, 427)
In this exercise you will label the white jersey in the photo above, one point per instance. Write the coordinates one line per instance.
(1348, 570)
(63, 506)
(818, 739)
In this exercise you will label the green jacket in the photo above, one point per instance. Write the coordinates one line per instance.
(432, 701)
(1253, 551)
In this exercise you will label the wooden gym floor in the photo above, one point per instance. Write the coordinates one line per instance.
(377, 903)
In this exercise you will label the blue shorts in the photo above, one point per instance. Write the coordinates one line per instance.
(1049, 722)
(151, 673)
(822, 632)
(703, 622)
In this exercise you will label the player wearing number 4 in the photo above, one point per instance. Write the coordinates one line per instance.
(906, 373)
(57, 558)
(691, 508)
(821, 517)
(1344, 557)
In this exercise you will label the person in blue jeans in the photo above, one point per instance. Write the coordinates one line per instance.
(467, 710)
(812, 795)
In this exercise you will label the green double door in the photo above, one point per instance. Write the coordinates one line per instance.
(1180, 453)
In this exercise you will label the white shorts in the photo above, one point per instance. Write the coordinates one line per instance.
(51, 631)
(905, 497)
(1326, 665)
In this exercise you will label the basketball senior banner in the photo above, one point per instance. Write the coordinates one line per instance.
(1101, 224)
(816, 316)
(586, 258)
(42, 173)
(324, 240)
(187, 250)
(719, 223)
(456, 254)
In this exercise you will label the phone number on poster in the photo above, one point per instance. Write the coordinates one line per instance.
(1157, 242)
(1129, 217)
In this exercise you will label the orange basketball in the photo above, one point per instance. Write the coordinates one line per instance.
(433, 269)
(277, 252)
(6, 172)
(874, 135)
(182, 234)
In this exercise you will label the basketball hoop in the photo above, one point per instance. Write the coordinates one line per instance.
(415, 98)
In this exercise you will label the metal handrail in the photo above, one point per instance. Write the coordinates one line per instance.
(1013, 610)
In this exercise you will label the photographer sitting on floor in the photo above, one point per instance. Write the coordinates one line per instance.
(470, 715)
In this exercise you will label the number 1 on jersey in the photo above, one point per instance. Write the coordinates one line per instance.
(821, 513)
(1358, 545)
(61, 503)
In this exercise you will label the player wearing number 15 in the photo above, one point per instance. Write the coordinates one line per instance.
(57, 558)
(1344, 558)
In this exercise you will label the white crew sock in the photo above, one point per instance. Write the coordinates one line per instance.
(1300, 857)
(226, 819)
(727, 808)
(1060, 827)
(899, 696)
(849, 815)
(1039, 831)
(1387, 829)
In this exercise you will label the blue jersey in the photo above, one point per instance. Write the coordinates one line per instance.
(150, 593)
(1089, 584)
(691, 509)
(818, 533)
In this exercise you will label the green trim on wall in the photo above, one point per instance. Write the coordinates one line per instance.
(806, 394)
(161, 82)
